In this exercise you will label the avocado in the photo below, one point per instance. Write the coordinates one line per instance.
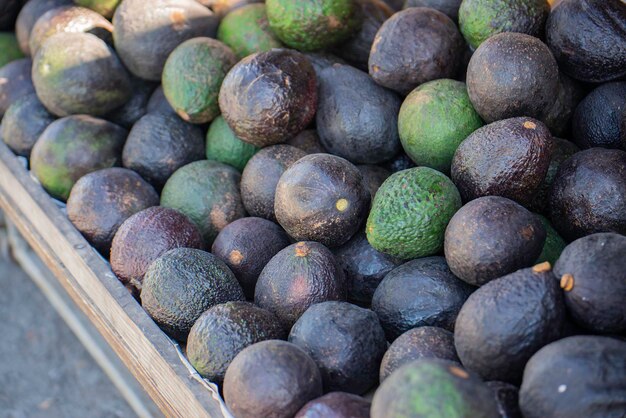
(578, 202)
(192, 76)
(208, 193)
(433, 388)
(420, 199)
(588, 39)
(23, 123)
(502, 324)
(418, 343)
(222, 7)
(356, 50)
(346, 342)
(336, 405)
(310, 25)
(398, 163)
(8, 13)
(492, 236)
(395, 4)
(10, 49)
(373, 177)
(558, 116)
(297, 277)
(591, 272)
(422, 292)
(508, 158)
(623, 129)
(261, 175)
(183, 283)
(308, 141)
(146, 33)
(17, 82)
(448, 7)
(269, 97)
(69, 19)
(553, 245)
(147, 235)
(271, 379)
(561, 150)
(246, 246)
(321, 197)
(482, 19)
(356, 118)
(323, 60)
(104, 7)
(246, 31)
(158, 103)
(364, 268)
(28, 16)
(159, 144)
(78, 73)
(101, 201)
(74, 146)
(223, 331)
(416, 45)
(581, 376)
(507, 398)
(434, 119)
(223, 145)
(512, 74)
(136, 106)
(596, 121)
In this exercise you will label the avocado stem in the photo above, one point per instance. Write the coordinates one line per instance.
(542, 267)
(302, 250)
(567, 282)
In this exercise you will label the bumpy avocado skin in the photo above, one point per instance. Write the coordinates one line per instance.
(192, 77)
(481, 19)
(223, 145)
(309, 25)
(246, 31)
(73, 146)
(434, 119)
(336, 405)
(433, 388)
(23, 123)
(10, 48)
(421, 199)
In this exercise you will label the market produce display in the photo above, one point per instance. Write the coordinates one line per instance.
(347, 208)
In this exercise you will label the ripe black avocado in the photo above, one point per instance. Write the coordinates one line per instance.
(17, 82)
(336, 405)
(23, 123)
(308, 141)
(136, 106)
(558, 117)
(449, 7)
(580, 376)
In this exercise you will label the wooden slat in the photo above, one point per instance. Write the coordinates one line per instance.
(135, 338)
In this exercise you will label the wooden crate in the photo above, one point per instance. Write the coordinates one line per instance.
(143, 348)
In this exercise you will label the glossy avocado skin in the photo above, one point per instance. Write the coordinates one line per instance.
(512, 75)
(246, 246)
(336, 405)
(414, 46)
(517, 314)
(356, 118)
(146, 236)
(490, 237)
(508, 158)
(417, 343)
(588, 39)
(28, 16)
(597, 264)
(364, 267)
(507, 397)
(18, 75)
(321, 197)
(223, 330)
(271, 379)
(102, 200)
(422, 292)
(269, 97)
(261, 175)
(572, 377)
(183, 283)
(578, 204)
(136, 107)
(23, 123)
(596, 121)
(297, 277)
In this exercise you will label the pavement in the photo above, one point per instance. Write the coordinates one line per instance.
(44, 370)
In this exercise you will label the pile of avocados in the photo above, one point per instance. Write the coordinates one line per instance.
(347, 208)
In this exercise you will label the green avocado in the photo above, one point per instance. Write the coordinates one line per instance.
(224, 146)
(104, 7)
(9, 48)
(410, 213)
(433, 121)
(310, 25)
(192, 77)
(246, 31)
(554, 244)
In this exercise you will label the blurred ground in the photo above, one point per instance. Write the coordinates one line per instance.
(44, 370)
